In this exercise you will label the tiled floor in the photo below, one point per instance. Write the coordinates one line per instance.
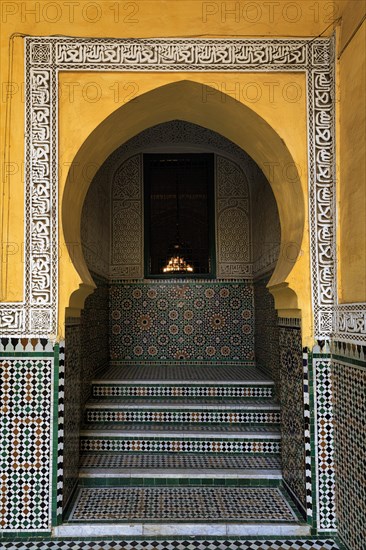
(181, 373)
(181, 504)
(305, 544)
(191, 461)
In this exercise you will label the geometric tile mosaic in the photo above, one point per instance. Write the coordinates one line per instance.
(26, 404)
(181, 504)
(349, 407)
(103, 390)
(307, 437)
(61, 428)
(325, 474)
(72, 407)
(283, 544)
(204, 321)
(193, 461)
(266, 330)
(292, 406)
(166, 445)
(229, 416)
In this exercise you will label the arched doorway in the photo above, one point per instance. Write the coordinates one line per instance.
(246, 213)
(231, 119)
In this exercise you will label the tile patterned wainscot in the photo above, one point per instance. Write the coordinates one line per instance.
(86, 351)
(27, 370)
(324, 442)
(292, 403)
(171, 321)
(72, 415)
(349, 407)
(266, 331)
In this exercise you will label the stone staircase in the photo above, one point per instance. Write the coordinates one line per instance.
(184, 447)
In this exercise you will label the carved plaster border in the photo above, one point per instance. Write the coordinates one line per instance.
(350, 323)
(46, 56)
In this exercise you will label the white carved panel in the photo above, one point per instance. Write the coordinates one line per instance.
(46, 56)
(127, 255)
(232, 221)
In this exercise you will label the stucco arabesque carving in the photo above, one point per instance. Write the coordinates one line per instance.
(46, 56)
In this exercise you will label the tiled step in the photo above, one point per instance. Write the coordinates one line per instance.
(192, 461)
(183, 381)
(180, 466)
(183, 504)
(106, 388)
(186, 438)
(178, 373)
(189, 411)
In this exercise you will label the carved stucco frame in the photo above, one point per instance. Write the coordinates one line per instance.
(45, 57)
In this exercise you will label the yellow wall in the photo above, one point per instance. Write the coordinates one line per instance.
(352, 154)
(208, 107)
(182, 19)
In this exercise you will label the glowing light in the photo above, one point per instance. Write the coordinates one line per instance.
(177, 264)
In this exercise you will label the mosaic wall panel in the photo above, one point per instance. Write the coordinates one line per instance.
(292, 403)
(94, 334)
(349, 408)
(86, 351)
(72, 414)
(266, 331)
(324, 428)
(204, 321)
(26, 397)
(233, 239)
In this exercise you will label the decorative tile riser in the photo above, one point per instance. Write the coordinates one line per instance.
(184, 416)
(182, 391)
(164, 461)
(178, 446)
(174, 544)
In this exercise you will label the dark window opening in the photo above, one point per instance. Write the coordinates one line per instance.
(179, 218)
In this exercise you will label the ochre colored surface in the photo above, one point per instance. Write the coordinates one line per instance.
(352, 171)
(257, 129)
(282, 118)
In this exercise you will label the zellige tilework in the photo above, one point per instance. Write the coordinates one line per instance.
(201, 544)
(292, 404)
(204, 321)
(181, 503)
(325, 475)
(26, 435)
(231, 417)
(266, 330)
(349, 408)
(192, 461)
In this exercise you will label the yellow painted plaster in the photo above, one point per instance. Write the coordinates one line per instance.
(279, 102)
(144, 18)
(352, 171)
